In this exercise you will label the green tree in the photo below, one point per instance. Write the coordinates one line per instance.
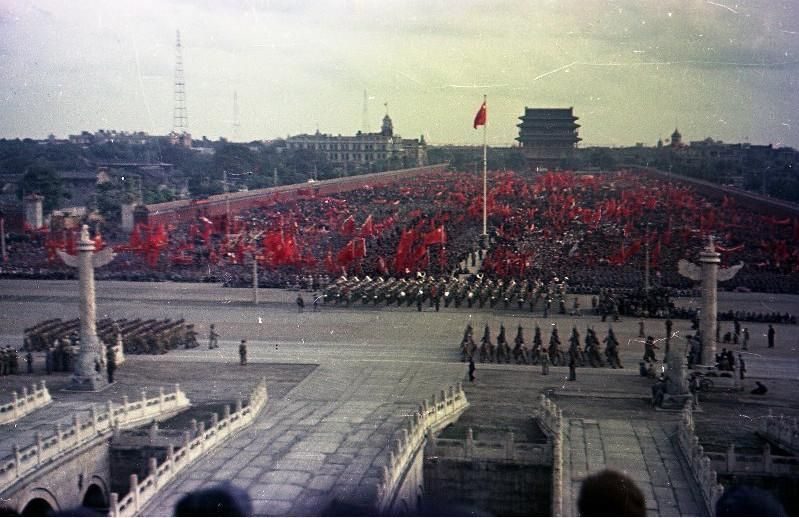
(41, 178)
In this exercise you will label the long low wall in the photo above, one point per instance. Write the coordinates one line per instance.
(22, 406)
(746, 199)
(550, 416)
(45, 450)
(700, 464)
(193, 448)
(189, 210)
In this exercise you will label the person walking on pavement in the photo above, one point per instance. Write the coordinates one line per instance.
(29, 361)
(213, 338)
(641, 329)
(745, 346)
(111, 366)
(741, 366)
(243, 352)
(771, 333)
(471, 368)
(544, 362)
(300, 303)
(572, 366)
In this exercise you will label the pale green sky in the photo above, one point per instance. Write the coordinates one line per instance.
(631, 69)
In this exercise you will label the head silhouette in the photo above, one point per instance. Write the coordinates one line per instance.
(610, 493)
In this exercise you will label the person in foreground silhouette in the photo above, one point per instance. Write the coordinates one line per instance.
(748, 501)
(222, 500)
(610, 493)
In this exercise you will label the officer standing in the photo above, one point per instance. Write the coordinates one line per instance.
(111, 366)
(213, 338)
(243, 352)
(29, 361)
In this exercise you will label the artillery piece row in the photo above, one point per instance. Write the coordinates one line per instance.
(139, 336)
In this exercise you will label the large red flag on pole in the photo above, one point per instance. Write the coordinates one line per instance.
(481, 117)
(480, 120)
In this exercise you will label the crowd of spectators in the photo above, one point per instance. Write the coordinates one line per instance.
(597, 231)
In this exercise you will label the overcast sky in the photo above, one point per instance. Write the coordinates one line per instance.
(632, 69)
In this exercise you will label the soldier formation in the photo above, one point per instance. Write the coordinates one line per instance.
(535, 353)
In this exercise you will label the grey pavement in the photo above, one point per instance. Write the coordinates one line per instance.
(643, 450)
(327, 439)
(342, 380)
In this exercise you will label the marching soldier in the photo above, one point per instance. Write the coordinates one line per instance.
(111, 366)
(611, 349)
(649, 349)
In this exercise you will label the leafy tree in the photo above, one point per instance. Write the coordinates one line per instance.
(41, 178)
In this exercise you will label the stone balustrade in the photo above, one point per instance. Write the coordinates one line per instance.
(428, 419)
(550, 416)
(194, 446)
(781, 430)
(732, 462)
(45, 450)
(699, 462)
(21, 406)
(509, 450)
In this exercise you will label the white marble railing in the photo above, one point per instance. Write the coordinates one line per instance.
(428, 419)
(700, 463)
(45, 450)
(551, 417)
(734, 463)
(782, 430)
(20, 406)
(506, 450)
(192, 449)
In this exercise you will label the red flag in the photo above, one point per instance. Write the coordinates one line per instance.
(368, 227)
(481, 117)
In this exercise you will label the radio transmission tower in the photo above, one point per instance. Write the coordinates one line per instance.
(180, 121)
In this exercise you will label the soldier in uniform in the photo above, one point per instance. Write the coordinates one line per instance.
(243, 352)
(574, 346)
(300, 303)
(554, 344)
(544, 363)
(213, 338)
(535, 353)
(111, 366)
(649, 349)
(611, 349)
(29, 361)
(745, 345)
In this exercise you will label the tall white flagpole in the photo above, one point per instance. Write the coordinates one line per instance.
(485, 173)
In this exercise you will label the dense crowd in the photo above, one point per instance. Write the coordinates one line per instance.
(596, 231)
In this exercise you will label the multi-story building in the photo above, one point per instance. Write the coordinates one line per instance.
(364, 150)
(548, 136)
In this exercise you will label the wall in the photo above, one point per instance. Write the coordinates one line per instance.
(188, 210)
(59, 482)
(487, 487)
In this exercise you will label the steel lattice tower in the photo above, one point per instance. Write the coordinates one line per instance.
(180, 121)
